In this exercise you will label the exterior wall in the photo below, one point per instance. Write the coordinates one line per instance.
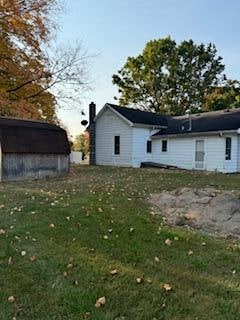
(181, 153)
(238, 153)
(17, 166)
(140, 138)
(109, 125)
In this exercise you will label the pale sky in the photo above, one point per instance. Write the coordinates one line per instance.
(116, 29)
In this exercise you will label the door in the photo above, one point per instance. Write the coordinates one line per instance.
(199, 154)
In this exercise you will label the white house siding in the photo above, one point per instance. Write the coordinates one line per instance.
(109, 125)
(238, 153)
(181, 153)
(140, 138)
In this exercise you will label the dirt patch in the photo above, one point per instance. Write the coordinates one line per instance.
(208, 209)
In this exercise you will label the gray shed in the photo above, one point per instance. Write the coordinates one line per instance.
(32, 149)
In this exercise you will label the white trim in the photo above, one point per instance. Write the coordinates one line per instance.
(107, 106)
(154, 127)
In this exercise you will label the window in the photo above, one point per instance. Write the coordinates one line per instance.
(149, 146)
(164, 145)
(228, 148)
(116, 144)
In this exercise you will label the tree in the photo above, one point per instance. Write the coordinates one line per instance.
(170, 78)
(224, 97)
(81, 143)
(33, 81)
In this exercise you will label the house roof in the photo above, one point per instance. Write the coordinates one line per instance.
(223, 120)
(140, 117)
(27, 136)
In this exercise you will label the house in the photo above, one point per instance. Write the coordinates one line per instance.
(32, 149)
(121, 136)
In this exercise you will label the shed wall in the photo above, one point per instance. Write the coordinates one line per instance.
(17, 166)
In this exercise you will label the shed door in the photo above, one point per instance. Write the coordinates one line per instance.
(199, 154)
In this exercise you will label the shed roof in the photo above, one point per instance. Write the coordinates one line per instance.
(141, 117)
(28, 136)
(223, 120)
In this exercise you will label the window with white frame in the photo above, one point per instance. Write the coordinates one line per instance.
(164, 145)
(228, 150)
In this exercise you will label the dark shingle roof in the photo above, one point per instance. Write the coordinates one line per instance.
(140, 117)
(203, 122)
(27, 136)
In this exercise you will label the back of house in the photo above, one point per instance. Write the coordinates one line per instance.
(205, 141)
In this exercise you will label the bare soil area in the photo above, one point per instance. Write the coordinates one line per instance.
(207, 209)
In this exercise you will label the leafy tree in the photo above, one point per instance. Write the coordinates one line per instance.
(224, 97)
(170, 78)
(33, 81)
(81, 143)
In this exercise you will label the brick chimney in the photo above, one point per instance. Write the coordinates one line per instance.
(92, 133)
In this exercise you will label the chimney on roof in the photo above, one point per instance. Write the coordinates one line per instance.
(92, 133)
(92, 112)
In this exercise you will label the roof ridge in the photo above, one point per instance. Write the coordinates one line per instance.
(207, 113)
(29, 120)
(136, 109)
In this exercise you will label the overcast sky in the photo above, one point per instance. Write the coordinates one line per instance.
(116, 29)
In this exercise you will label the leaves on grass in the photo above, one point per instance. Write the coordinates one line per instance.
(33, 258)
(113, 272)
(11, 299)
(139, 280)
(167, 287)
(168, 242)
(2, 231)
(100, 302)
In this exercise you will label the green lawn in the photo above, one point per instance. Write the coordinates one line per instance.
(97, 219)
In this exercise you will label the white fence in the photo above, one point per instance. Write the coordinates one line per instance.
(76, 157)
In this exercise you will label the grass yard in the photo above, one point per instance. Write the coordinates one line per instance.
(61, 238)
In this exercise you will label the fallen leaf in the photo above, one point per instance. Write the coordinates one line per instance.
(11, 299)
(33, 258)
(113, 272)
(167, 287)
(2, 231)
(168, 242)
(100, 302)
(139, 280)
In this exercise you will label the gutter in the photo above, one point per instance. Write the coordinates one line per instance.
(192, 134)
